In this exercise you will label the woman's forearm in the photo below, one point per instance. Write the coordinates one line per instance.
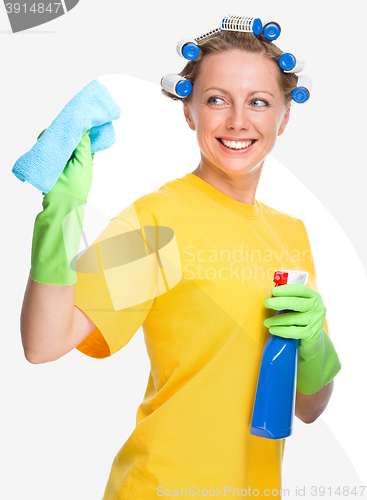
(309, 407)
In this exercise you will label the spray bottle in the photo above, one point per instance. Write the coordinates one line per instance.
(273, 411)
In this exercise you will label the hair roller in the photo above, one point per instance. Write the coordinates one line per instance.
(302, 92)
(271, 30)
(177, 85)
(239, 23)
(291, 63)
(188, 49)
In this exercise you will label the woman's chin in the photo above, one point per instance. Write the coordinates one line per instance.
(236, 168)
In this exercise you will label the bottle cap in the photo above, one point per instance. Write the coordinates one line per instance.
(290, 276)
(280, 277)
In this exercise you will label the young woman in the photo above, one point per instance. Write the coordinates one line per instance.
(193, 264)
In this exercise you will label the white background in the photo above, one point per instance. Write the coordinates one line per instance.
(63, 422)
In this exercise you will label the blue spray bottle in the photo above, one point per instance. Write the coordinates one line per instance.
(273, 411)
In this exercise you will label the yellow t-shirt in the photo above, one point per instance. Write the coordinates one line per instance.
(193, 267)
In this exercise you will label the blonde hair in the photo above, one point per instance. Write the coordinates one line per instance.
(229, 40)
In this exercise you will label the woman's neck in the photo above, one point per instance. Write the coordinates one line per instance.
(241, 186)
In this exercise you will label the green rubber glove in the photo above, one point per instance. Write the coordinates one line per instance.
(58, 228)
(318, 362)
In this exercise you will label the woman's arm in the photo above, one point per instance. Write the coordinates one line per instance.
(51, 325)
(309, 407)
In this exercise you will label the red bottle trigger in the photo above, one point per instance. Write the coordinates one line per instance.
(280, 278)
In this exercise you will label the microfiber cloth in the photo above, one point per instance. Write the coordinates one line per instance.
(92, 108)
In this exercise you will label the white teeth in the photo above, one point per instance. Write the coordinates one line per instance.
(236, 145)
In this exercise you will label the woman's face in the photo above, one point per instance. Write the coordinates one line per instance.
(236, 98)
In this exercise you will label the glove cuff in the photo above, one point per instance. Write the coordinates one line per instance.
(317, 366)
(56, 240)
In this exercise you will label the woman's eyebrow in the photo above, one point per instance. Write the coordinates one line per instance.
(226, 92)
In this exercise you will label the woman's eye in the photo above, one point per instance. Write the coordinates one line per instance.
(212, 100)
(264, 103)
(218, 101)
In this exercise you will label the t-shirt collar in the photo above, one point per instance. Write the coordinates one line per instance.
(206, 189)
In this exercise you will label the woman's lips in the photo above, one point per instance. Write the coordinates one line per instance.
(236, 151)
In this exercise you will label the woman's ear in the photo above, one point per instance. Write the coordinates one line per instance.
(188, 117)
(284, 121)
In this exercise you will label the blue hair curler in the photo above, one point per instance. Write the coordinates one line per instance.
(177, 85)
(302, 92)
(291, 63)
(271, 30)
(188, 49)
(240, 23)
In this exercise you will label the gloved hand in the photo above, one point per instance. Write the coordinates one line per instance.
(58, 228)
(318, 362)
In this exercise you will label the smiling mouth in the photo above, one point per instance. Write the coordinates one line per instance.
(236, 145)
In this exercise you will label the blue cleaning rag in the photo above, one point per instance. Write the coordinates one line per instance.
(92, 108)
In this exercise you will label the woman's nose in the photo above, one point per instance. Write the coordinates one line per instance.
(238, 118)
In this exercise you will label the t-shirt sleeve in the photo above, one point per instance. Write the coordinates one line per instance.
(312, 270)
(116, 286)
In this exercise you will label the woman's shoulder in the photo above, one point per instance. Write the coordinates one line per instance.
(158, 199)
(278, 215)
(150, 207)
